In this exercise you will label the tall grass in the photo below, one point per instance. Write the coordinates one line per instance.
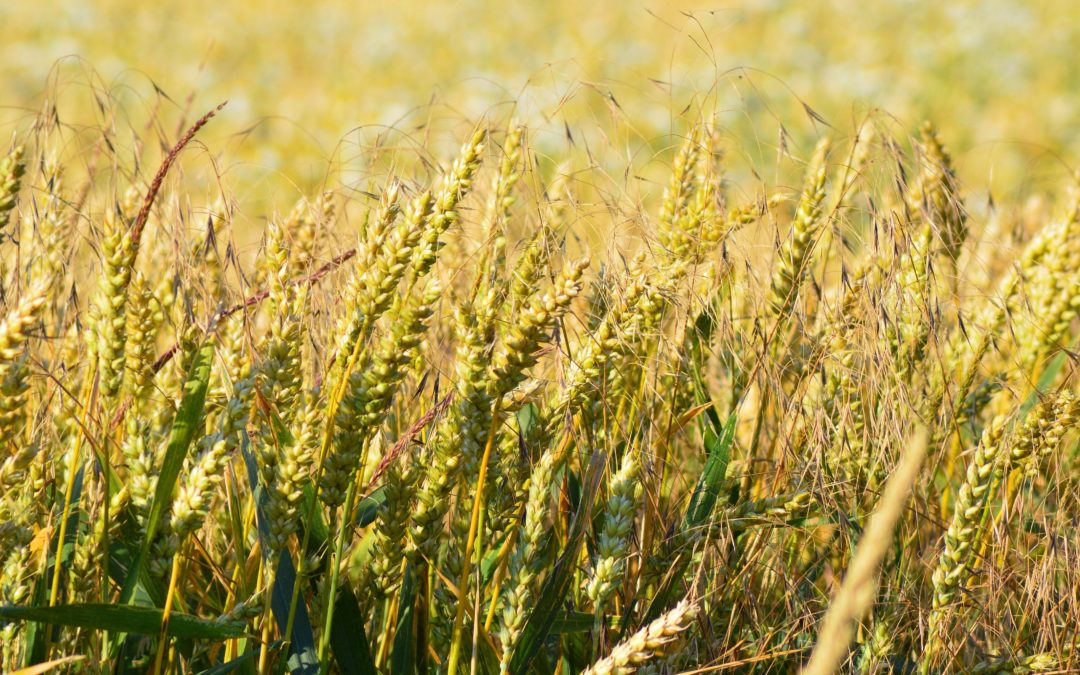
(437, 424)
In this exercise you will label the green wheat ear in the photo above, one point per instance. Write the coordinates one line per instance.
(12, 170)
(808, 221)
(568, 400)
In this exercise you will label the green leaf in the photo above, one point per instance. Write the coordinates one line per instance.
(282, 436)
(319, 531)
(1046, 378)
(718, 446)
(368, 509)
(488, 660)
(705, 322)
(488, 565)
(244, 661)
(539, 624)
(402, 658)
(662, 598)
(717, 436)
(187, 423)
(125, 619)
(33, 632)
(67, 547)
(575, 653)
(717, 440)
(573, 622)
(352, 651)
(302, 657)
(527, 417)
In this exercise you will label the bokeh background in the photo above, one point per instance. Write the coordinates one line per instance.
(316, 87)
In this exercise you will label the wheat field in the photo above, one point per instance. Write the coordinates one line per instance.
(616, 380)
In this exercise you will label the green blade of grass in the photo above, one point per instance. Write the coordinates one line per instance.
(187, 423)
(319, 531)
(61, 550)
(125, 619)
(402, 658)
(34, 632)
(348, 641)
(244, 661)
(666, 590)
(573, 622)
(718, 440)
(717, 437)
(487, 661)
(546, 610)
(302, 658)
(368, 508)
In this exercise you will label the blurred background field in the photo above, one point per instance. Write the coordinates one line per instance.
(314, 86)
(896, 262)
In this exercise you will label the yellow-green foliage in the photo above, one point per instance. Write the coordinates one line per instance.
(538, 406)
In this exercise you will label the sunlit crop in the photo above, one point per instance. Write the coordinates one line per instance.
(616, 355)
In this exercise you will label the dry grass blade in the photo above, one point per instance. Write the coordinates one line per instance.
(860, 585)
(534, 393)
